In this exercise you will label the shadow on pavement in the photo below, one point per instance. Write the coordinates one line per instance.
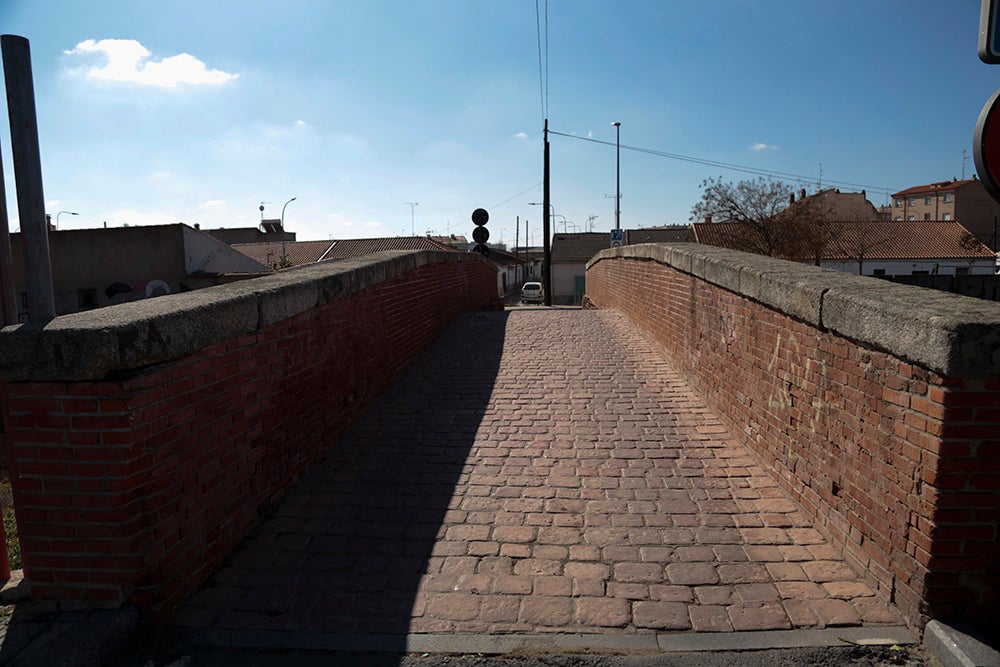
(346, 551)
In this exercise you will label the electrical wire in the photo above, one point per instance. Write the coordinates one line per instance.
(781, 175)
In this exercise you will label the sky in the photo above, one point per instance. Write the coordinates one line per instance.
(400, 117)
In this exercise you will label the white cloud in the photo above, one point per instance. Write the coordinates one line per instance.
(521, 136)
(213, 203)
(127, 61)
(764, 147)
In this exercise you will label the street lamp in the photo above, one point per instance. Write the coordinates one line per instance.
(618, 174)
(412, 205)
(66, 212)
(284, 255)
(538, 203)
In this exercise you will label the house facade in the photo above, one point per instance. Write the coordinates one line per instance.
(92, 268)
(571, 252)
(965, 201)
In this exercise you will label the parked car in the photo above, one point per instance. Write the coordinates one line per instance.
(532, 293)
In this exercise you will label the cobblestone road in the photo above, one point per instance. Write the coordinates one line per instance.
(536, 470)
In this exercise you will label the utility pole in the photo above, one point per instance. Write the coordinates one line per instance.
(546, 252)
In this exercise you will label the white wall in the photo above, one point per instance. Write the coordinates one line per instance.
(908, 267)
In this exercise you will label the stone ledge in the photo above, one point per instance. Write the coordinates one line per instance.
(953, 335)
(93, 344)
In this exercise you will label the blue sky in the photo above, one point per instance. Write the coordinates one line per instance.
(159, 112)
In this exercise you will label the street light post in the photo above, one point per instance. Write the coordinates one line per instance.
(67, 213)
(618, 174)
(284, 255)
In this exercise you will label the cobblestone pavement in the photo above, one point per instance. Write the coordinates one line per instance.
(536, 470)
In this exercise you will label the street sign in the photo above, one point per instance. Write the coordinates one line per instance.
(989, 34)
(617, 238)
(986, 146)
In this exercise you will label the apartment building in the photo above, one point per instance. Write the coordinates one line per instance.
(965, 201)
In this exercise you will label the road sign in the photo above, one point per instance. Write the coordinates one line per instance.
(989, 34)
(617, 238)
(986, 146)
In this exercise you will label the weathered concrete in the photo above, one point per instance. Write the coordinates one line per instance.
(93, 344)
(953, 335)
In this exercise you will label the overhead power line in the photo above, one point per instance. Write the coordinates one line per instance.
(781, 175)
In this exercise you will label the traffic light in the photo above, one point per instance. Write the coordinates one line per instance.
(480, 234)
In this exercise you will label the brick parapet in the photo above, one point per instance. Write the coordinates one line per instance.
(884, 430)
(136, 484)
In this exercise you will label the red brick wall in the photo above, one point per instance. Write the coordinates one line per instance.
(137, 487)
(899, 465)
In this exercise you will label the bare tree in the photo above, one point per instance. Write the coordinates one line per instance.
(772, 222)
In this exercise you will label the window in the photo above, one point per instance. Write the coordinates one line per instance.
(927, 199)
(912, 201)
(899, 217)
(946, 216)
(86, 298)
(927, 216)
(878, 272)
(948, 197)
(899, 203)
(911, 217)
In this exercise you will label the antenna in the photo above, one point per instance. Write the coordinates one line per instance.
(590, 221)
(965, 158)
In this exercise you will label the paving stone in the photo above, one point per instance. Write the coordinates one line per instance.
(603, 612)
(661, 615)
(848, 589)
(743, 573)
(835, 612)
(828, 570)
(709, 618)
(764, 616)
(692, 574)
(638, 572)
(547, 611)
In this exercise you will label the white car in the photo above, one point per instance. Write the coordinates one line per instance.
(531, 293)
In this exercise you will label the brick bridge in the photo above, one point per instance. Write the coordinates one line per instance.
(719, 442)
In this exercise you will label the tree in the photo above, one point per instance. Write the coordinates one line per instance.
(772, 222)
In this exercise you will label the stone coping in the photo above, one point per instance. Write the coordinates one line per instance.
(91, 345)
(956, 336)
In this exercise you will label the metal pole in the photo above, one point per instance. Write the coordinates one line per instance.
(618, 175)
(8, 306)
(28, 176)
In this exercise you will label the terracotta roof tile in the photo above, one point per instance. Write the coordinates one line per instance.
(941, 186)
(879, 239)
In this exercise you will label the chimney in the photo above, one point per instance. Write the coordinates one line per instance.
(802, 193)
(791, 198)
(708, 219)
(197, 225)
